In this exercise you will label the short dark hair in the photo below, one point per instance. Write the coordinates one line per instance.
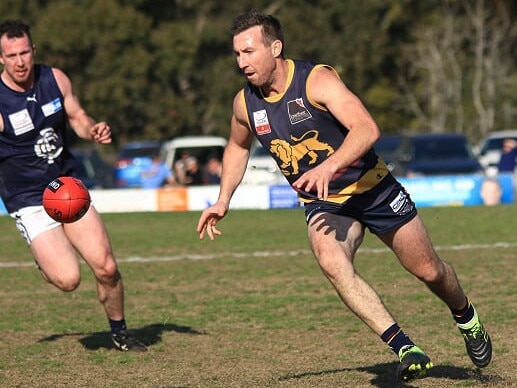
(15, 28)
(271, 27)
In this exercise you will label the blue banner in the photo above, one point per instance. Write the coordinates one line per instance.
(282, 196)
(443, 190)
(3, 210)
(460, 190)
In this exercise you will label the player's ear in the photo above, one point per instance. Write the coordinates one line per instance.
(277, 48)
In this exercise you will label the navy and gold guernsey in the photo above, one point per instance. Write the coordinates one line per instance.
(300, 134)
(33, 135)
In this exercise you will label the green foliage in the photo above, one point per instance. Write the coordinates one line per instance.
(159, 68)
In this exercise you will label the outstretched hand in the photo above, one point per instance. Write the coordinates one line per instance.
(209, 219)
(101, 133)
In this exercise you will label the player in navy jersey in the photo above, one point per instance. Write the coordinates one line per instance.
(36, 104)
(322, 137)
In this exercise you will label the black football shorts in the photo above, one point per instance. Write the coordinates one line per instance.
(382, 209)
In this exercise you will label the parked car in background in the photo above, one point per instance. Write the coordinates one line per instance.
(92, 169)
(134, 159)
(489, 150)
(262, 169)
(436, 154)
(388, 147)
(188, 152)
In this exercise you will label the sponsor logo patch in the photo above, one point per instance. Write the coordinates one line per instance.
(399, 204)
(21, 122)
(261, 122)
(52, 107)
(297, 111)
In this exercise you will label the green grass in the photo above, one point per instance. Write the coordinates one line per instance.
(252, 309)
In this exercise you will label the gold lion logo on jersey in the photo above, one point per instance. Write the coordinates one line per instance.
(292, 154)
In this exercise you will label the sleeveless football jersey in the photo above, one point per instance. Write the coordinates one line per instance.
(300, 134)
(32, 151)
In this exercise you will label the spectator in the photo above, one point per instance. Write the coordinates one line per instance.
(508, 158)
(213, 171)
(180, 167)
(193, 174)
(158, 175)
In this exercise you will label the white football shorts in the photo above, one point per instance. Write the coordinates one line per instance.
(33, 220)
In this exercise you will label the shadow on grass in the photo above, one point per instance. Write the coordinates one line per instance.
(150, 335)
(385, 375)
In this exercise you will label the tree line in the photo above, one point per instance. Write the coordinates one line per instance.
(158, 69)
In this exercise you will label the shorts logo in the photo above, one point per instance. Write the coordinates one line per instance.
(297, 111)
(401, 204)
(261, 122)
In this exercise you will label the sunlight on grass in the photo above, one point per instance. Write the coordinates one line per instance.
(253, 308)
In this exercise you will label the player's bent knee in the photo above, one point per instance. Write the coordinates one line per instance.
(434, 274)
(108, 273)
(335, 272)
(67, 285)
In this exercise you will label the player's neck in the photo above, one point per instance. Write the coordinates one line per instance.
(278, 80)
(17, 86)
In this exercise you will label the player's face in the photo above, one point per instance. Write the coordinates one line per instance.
(17, 56)
(254, 57)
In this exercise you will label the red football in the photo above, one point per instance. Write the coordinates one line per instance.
(66, 199)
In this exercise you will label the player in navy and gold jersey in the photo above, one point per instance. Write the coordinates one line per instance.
(36, 101)
(322, 138)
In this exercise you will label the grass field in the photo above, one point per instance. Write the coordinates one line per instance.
(253, 309)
